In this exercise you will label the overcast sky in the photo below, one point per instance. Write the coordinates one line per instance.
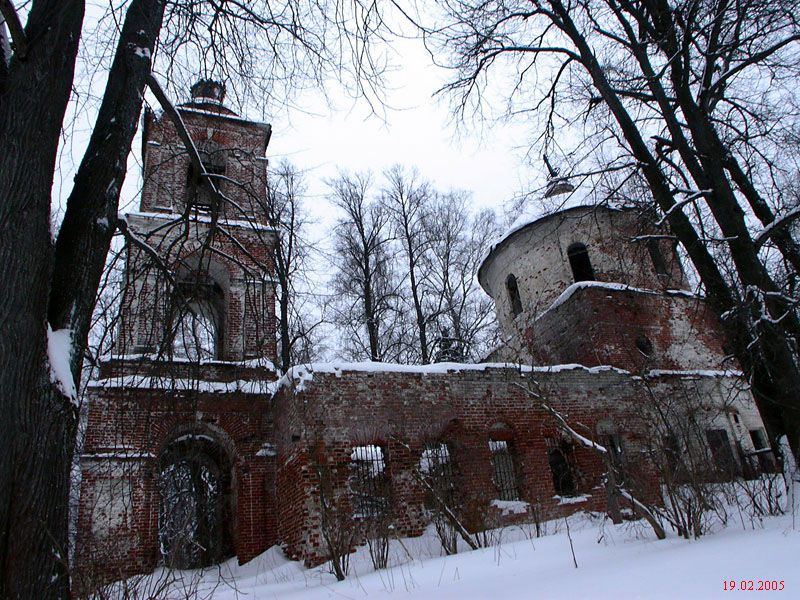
(323, 132)
(415, 129)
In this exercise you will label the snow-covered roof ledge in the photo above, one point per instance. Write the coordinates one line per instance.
(299, 376)
(144, 382)
(695, 373)
(260, 362)
(169, 216)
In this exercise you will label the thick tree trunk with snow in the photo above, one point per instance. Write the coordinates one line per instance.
(37, 423)
(89, 221)
(39, 419)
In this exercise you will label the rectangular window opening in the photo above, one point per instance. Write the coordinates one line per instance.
(559, 457)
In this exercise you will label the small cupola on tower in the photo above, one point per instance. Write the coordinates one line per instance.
(208, 94)
(208, 90)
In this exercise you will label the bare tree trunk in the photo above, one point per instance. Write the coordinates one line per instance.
(36, 484)
(406, 201)
(90, 219)
(36, 438)
(774, 360)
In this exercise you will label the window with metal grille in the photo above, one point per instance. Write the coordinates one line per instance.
(504, 476)
(369, 484)
(437, 468)
(559, 457)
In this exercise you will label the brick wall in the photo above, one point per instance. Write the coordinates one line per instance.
(320, 422)
(127, 432)
(602, 326)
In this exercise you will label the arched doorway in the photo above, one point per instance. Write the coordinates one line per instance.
(195, 520)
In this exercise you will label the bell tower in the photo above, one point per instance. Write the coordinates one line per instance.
(178, 457)
(206, 294)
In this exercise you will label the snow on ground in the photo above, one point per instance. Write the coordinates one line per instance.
(618, 562)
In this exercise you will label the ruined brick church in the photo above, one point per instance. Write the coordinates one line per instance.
(197, 450)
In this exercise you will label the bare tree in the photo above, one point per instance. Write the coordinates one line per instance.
(407, 198)
(285, 209)
(364, 276)
(458, 242)
(683, 95)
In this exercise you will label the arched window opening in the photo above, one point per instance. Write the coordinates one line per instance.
(197, 323)
(195, 514)
(559, 457)
(215, 163)
(513, 295)
(644, 345)
(436, 466)
(579, 262)
(504, 473)
(369, 483)
(196, 333)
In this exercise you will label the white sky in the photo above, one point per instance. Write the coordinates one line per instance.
(324, 132)
(416, 130)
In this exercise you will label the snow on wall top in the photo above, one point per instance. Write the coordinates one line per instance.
(180, 384)
(260, 362)
(299, 376)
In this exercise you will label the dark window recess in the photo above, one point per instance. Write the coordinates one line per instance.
(369, 484)
(200, 196)
(613, 444)
(672, 454)
(558, 456)
(721, 451)
(436, 467)
(644, 345)
(766, 459)
(503, 474)
(759, 438)
(513, 295)
(579, 262)
(657, 257)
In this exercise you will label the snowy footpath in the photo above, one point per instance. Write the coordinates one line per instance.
(623, 561)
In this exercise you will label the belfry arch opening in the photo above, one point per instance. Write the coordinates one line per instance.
(196, 508)
(579, 261)
(199, 313)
